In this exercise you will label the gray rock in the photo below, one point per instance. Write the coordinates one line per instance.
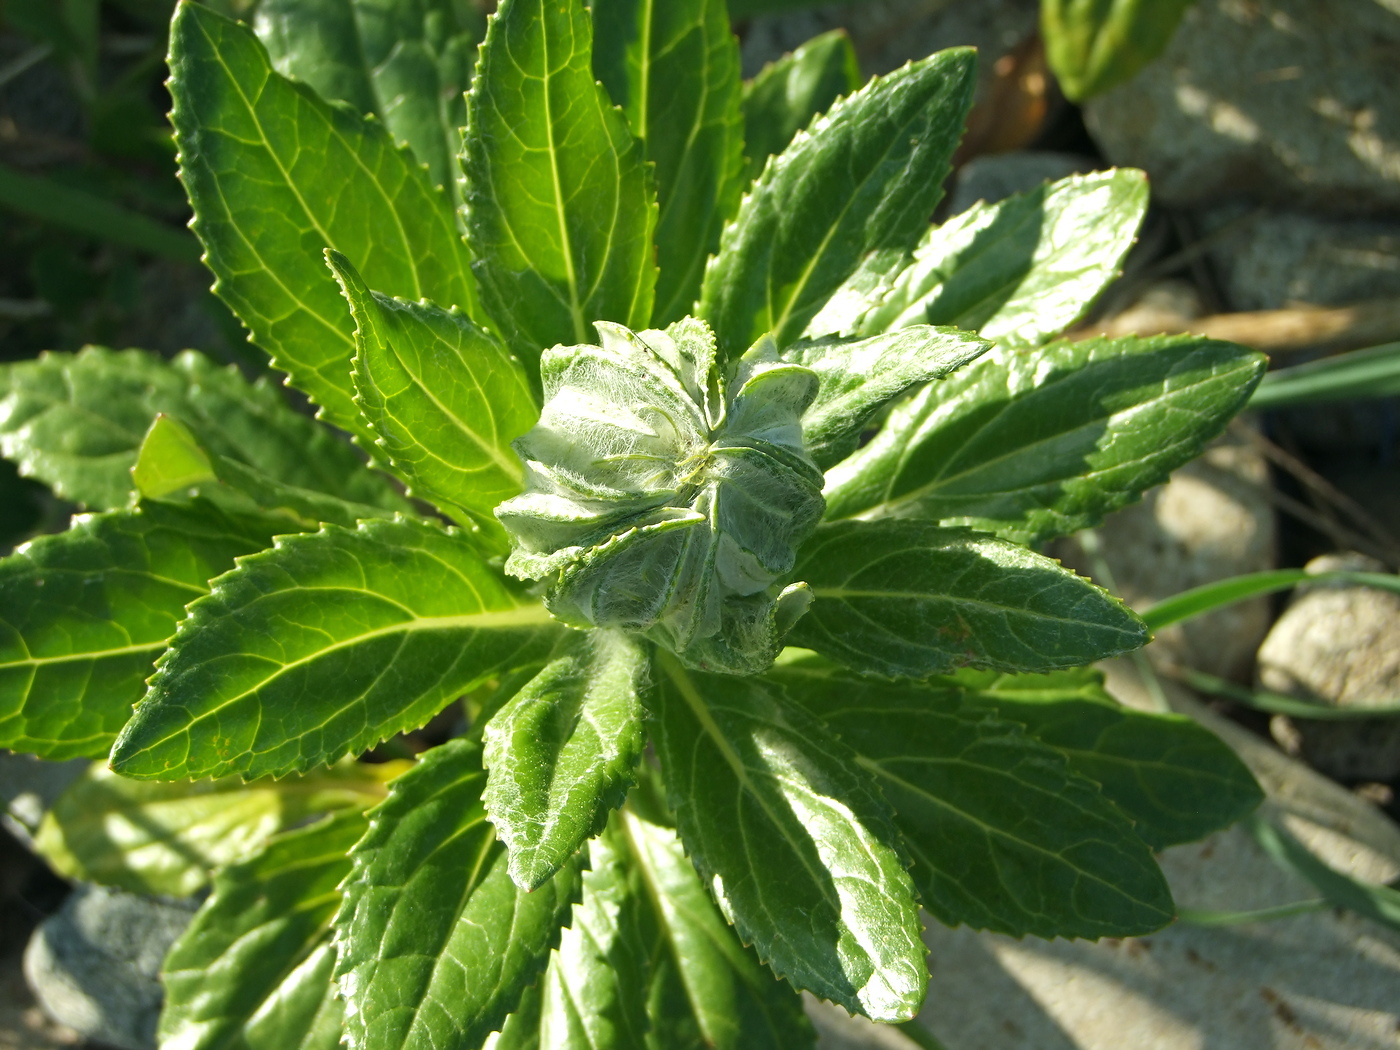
(1291, 101)
(1211, 520)
(1340, 646)
(29, 786)
(1269, 259)
(95, 964)
(997, 176)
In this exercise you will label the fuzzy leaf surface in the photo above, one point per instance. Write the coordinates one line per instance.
(788, 94)
(77, 421)
(863, 179)
(1004, 835)
(1017, 272)
(859, 377)
(1041, 443)
(561, 205)
(161, 838)
(254, 969)
(276, 175)
(673, 68)
(1175, 779)
(323, 646)
(85, 613)
(436, 943)
(562, 751)
(407, 61)
(907, 598)
(793, 840)
(443, 396)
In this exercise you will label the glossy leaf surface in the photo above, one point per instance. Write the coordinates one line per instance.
(859, 377)
(562, 751)
(276, 175)
(673, 68)
(788, 94)
(1017, 272)
(1175, 779)
(909, 599)
(1040, 443)
(436, 943)
(1094, 45)
(407, 61)
(793, 840)
(444, 398)
(323, 646)
(77, 421)
(561, 206)
(1004, 835)
(864, 178)
(161, 838)
(85, 613)
(253, 970)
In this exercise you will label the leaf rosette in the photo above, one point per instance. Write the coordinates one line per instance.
(666, 498)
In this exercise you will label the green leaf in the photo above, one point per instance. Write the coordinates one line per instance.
(253, 970)
(561, 205)
(1175, 780)
(85, 613)
(863, 180)
(1093, 45)
(1018, 272)
(793, 840)
(673, 68)
(907, 598)
(152, 837)
(276, 175)
(77, 421)
(859, 377)
(788, 94)
(1374, 372)
(323, 646)
(1004, 835)
(407, 61)
(1211, 596)
(1036, 444)
(443, 396)
(562, 751)
(436, 942)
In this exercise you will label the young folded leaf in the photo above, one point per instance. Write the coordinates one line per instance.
(909, 599)
(436, 944)
(444, 398)
(561, 204)
(1018, 272)
(562, 751)
(275, 175)
(793, 839)
(864, 178)
(1032, 445)
(1004, 835)
(323, 646)
(253, 970)
(673, 68)
(85, 613)
(787, 95)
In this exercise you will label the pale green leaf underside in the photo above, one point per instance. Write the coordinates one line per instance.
(76, 422)
(276, 175)
(85, 613)
(1039, 443)
(562, 751)
(323, 646)
(561, 205)
(161, 838)
(436, 943)
(793, 840)
(1003, 834)
(907, 598)
(253, 971)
